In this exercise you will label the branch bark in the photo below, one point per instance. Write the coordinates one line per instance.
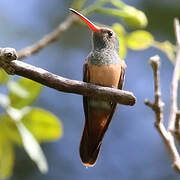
(72, 86)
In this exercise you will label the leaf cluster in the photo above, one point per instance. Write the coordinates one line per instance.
(24, 125)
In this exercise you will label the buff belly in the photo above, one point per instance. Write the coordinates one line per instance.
(104, 75)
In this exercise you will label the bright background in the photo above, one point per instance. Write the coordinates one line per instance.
(132, 148)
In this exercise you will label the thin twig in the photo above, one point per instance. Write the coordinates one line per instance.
(157, 107)
(47, 39)
(175, 79)
(177, 127)
(7, 56)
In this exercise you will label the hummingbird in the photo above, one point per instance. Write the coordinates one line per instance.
(104, 67)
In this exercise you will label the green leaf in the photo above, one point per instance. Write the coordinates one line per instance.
(3, 77)
(131, 16)
(43, 125)
(29, 92)
(122, 48)
(120, 31)
(134, 18)
(17, 89)
(32, 148)
(168, 48)
(139, 40)
(9, 128)
(6, 157)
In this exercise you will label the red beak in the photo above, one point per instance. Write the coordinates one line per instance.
(92, 26)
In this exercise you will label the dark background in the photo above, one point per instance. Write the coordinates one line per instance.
(132, 148)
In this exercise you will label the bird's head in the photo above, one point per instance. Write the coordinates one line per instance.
(103, 37)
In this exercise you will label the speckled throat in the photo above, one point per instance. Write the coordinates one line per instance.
(103, 57)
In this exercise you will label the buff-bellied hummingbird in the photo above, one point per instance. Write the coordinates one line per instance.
(102, 67)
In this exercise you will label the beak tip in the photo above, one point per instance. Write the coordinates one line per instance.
(93, 27)
(72, 10)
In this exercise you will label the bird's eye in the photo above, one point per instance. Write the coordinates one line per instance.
(8, 54)
(110, 33)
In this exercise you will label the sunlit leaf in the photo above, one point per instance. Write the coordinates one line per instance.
(131, 16)
(166, 47)
(6, 157)
(120, 31)
(122, 48)
(3, 77)
(139, 40)
(43, 125)
(18, 90)
(4, 100)
(7, 123)
(32, 148)
(9, 128)
(31, 91)
(134, 18)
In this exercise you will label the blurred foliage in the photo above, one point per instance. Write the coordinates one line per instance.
(23, 92)
(3, 77)
(27, 126)
(136, 40)
(23, 125)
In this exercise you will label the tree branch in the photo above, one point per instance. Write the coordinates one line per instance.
(175, 79)
(7, 56)
(47, 39)
(157, 107)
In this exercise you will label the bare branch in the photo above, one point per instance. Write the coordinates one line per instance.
(47, 39)
(157, 107)
(175, 79)
(7, 56)
(71, 86)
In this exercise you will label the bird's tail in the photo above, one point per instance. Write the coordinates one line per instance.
(95, 127)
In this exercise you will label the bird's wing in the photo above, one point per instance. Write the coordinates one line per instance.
(85, 79)
(122, 76)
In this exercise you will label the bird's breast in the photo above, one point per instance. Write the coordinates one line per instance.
(105, 75)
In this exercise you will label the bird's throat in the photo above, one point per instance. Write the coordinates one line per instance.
(103, 57)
